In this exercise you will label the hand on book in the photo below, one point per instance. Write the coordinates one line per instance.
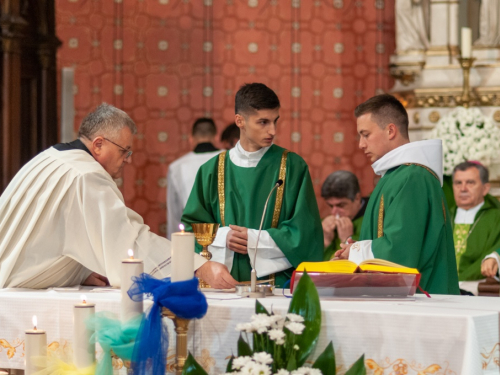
(489, 267)
(343, 253)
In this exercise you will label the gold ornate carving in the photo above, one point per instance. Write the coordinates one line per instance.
(449, 97)
(416, 117)
(434, 116)
(380, 231)
(406, 72)
(220, 185)
(279, 192)
(496, 116)
(402, 366)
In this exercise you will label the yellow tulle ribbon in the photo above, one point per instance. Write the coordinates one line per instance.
(55, 366)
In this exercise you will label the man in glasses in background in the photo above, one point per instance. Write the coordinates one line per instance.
(64, 222)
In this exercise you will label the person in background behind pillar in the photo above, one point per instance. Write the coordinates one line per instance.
(182, 172)
(230, 136)
(231, 189)
(407, 220)
(341, 192)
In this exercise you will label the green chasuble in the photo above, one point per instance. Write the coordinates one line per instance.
(335, 245)
(407, 219)
(298, 234)
(483, 239)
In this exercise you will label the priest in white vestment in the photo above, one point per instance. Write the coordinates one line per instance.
(182, 172)
(64, 222)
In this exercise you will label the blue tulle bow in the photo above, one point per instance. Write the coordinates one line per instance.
(183, 298)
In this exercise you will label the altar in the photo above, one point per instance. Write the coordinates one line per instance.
(438, 335)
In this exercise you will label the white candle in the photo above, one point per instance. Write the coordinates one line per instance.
(130, 267)
(35, 345)
(466, 45)
(182, 255)
(83, 350)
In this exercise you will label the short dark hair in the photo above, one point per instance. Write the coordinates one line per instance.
(231, 134)
(484, 175)
(204, 127)
(340, 184)
(254, 97)
(385, 109)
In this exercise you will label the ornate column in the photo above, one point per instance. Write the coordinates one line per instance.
(12, 34)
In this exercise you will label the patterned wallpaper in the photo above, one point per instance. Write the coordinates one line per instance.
(167, 62)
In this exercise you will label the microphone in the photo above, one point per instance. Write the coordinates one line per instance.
(253, 274)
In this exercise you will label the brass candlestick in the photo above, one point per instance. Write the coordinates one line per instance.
(466, 63)
(205, 235)
(181, 330)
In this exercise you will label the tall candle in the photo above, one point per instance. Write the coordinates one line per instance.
(130, 267)
(35, 345)
(182, 255)
(466, 44)
(83, 350)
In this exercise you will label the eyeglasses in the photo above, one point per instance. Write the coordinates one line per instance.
(129, 152)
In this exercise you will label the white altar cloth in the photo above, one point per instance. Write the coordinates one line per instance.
(442, 335)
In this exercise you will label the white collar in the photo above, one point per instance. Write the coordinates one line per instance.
(428, 153)
(467, 216)
(246, 159)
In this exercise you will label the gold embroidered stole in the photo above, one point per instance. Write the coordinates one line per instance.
(279, 193)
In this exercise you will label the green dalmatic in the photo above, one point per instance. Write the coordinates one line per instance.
(297, 233)
(408, 221)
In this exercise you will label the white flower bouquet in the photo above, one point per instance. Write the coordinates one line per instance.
(282, 344)
(467, 134)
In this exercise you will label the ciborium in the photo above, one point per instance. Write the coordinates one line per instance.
(205, 235)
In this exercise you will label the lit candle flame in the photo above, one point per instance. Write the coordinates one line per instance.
(34, 322)
(84, 298)
(181, 227)
(131, 253)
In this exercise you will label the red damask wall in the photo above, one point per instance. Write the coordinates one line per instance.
(167, 62)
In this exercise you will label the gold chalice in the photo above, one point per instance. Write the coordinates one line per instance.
(205, 234)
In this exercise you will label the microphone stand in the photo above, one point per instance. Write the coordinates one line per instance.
(253, 274)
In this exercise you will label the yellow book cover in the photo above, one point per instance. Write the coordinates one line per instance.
(346, 266)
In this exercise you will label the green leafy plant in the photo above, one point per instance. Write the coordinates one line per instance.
(275, 344)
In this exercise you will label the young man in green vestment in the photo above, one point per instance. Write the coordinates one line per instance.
(476, 222)
(407, 220)
(341, 192)
(231, 189)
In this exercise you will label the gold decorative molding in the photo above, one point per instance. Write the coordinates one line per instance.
(496, 116)
(416, 117)
(449, 97)
(434, 116)
(406, 72)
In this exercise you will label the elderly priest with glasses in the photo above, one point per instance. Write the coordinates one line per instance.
(64, 222)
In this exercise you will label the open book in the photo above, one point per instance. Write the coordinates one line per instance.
(346, 266)
(374, 277)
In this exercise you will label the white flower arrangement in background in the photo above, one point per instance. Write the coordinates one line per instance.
(467, 134)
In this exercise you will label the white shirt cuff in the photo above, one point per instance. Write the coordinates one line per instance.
(220, 253)
(270, 259)
(360, 251)
(497, 258)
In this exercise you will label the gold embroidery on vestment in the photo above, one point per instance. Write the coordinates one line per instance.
(220, 185)
(427, 168)
(380, 231)
(279, 192)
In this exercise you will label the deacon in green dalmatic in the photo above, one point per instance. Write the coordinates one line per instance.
(231, 189)
(407, 219)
